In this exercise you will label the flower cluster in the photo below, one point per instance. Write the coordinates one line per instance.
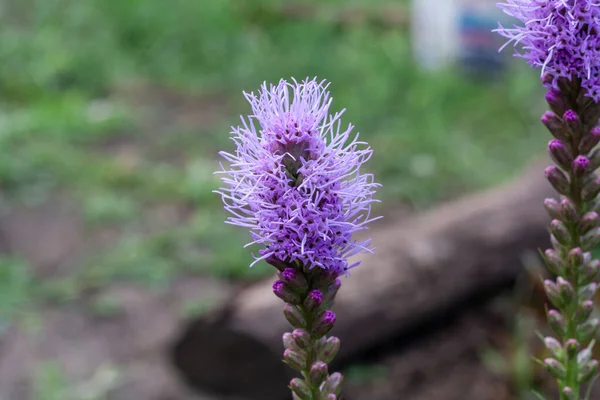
(560, 36)
(295, 179)
(575, 232)
(563, 38)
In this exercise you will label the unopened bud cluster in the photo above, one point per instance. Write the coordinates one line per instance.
(309, 294)
(575, 231)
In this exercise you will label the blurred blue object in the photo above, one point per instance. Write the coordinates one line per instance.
(478, 53)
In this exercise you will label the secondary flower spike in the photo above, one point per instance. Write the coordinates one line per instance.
(562, 37)
(295, 178)
(295, 181)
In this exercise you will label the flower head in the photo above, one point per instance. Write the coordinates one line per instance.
(295, 178)
(562, 37)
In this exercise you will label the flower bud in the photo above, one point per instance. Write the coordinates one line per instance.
(569, 393)
(555, 348)
(588, 292)
(573, 122)
(285, 293)
(555, 100)
(572, 347)
(560, 154)
(301, 389)
(588, 222)
(587, 330)
(591, 114)
(331, 396)
(327, 349)
(591, 239)
(594, 160)
(555, 368)
(583, 312)
(580, 165)
(318, 373)
(575, 258)
(324, 323)
(289, 342)
(560, 232)
(589, 272)
(566, 290)
(556, 127)
(294, 316)
(556, 322)
(553, 208)
(589, 140)
(313, 300)
(588, 371)
(333, 384)
(553, 293)
(590, 188)
(332, 291)
(302, 339)
(561, 249)
(558, 180)
(554, 262)
(584, 356)
(568, 211)
(295, 359)
(294, 279)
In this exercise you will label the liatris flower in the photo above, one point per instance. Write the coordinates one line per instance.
(295, 181)
(563, 38)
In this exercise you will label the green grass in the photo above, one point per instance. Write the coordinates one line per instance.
(435, 134)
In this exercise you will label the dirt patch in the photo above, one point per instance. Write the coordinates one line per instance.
(133, 341)
(114, 340)
(49, 236)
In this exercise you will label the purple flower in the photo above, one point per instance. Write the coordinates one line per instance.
(295, 178)
(562, 37)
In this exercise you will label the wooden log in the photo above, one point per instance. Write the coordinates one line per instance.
(423, 267)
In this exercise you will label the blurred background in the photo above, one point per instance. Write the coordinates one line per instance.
(111, 116)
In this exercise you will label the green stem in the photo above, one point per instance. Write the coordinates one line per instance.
(311, 354)
(572, 368)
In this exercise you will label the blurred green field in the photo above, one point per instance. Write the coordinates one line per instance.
(68, 68)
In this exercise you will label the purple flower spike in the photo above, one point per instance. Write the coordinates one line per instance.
(560, 37)
(295, 178)
(295, 181)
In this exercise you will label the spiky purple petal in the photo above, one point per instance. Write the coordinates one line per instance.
(562, 37)
(295, 178)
